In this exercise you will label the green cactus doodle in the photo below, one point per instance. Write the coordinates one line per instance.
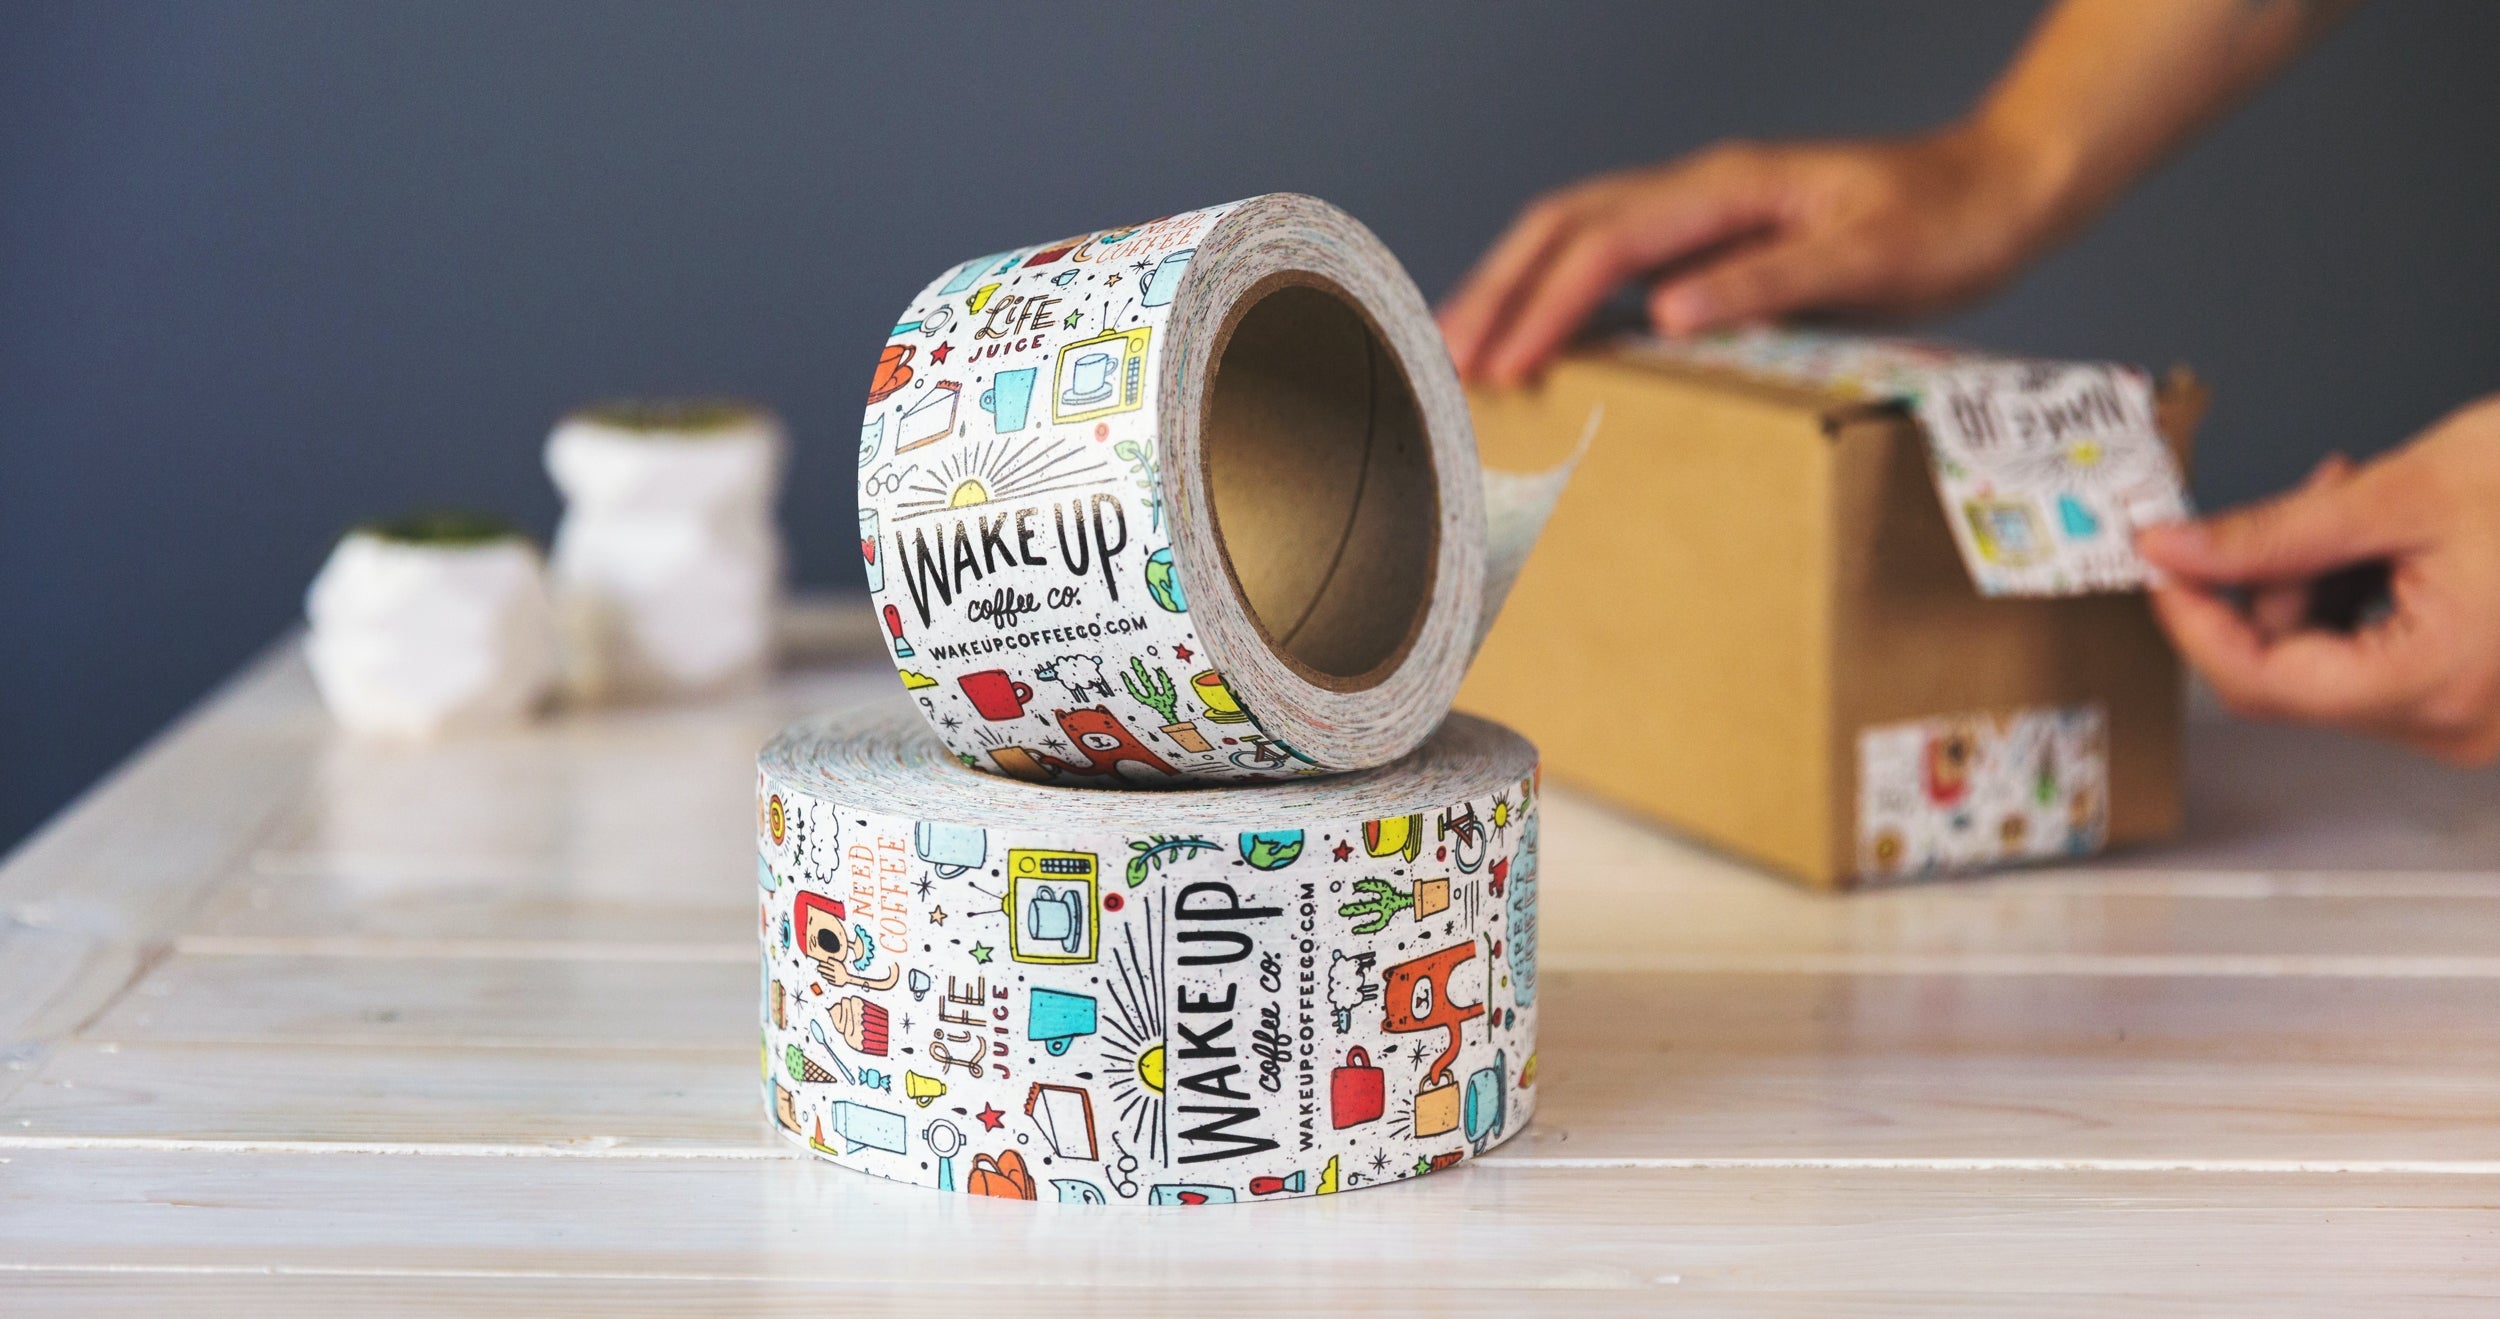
(1381, 901)
(1152, 688)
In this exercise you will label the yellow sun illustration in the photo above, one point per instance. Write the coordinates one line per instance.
(1132, 1033)
(1006, 469)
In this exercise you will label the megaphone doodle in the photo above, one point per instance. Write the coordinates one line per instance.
(922, 1090)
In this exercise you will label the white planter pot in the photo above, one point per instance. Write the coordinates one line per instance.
(667, 566)
(414, 637)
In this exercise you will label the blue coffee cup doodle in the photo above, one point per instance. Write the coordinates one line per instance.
(951, 849)
(1089, 379)
(1009, 399)
(1166, 279)
(1056, 916)
(1058, 1018)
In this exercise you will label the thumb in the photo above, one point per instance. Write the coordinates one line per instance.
(2325, 524)
(1751, 284)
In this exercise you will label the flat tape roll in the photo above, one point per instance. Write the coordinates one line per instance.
(1177, 998)
(1194, 500)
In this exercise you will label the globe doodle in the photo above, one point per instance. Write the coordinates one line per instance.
(1272, 850)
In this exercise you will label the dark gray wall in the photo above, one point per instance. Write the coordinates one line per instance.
(269, 268)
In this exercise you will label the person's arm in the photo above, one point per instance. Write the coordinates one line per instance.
(1745, 232)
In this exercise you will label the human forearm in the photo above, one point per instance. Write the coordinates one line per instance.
(1748, 232)
(2103, 89)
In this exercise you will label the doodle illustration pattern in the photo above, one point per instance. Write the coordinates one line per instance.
(2045, 469)
(1038, 507)
(1970, 791)
(1012, 523)
(1178, 1017)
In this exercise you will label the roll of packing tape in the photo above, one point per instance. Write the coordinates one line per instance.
(1175, 998)
(1187, 501)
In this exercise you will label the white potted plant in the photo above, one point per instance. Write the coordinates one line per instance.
(667, 566)
(431, 622)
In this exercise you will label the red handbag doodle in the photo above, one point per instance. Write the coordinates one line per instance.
(1001, 1178)
(1356, 1092)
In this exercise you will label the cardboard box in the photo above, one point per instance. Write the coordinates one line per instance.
(1745, 575)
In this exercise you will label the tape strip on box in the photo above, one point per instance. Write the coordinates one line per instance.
(2045, 470)
(1971, 791)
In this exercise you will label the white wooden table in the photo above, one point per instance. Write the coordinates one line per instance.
(293, 1023)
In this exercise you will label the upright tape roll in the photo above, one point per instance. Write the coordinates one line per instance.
(1171, 998)
(1188, 501)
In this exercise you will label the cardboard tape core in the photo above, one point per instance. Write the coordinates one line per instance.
(1321, 482)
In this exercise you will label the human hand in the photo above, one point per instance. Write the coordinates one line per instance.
(2427, 674)
(1742, 233)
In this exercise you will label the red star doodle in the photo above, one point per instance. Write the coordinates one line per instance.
(990, 1116)
(938, 354)
(1181, 653)
(1344, 849)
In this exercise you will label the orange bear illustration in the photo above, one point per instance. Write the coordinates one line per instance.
(1416, 994)
(1105, 742)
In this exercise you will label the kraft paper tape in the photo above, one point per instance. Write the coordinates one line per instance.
(1179, 998)
(1187, 501)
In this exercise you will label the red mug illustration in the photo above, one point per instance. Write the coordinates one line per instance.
(994, 694)
(1355, 1091)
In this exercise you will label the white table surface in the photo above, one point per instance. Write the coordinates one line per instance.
(295, 1023)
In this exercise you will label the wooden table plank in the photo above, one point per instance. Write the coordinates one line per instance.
(1616, 895)
(1570, 1234)
(87, 897)
(289, 1021)
(1633, 1065)
(595, 1002)
(244, 1290)
(396, 1096)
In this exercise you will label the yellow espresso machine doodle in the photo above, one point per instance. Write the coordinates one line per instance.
(1100, 376)
(1053, 908)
